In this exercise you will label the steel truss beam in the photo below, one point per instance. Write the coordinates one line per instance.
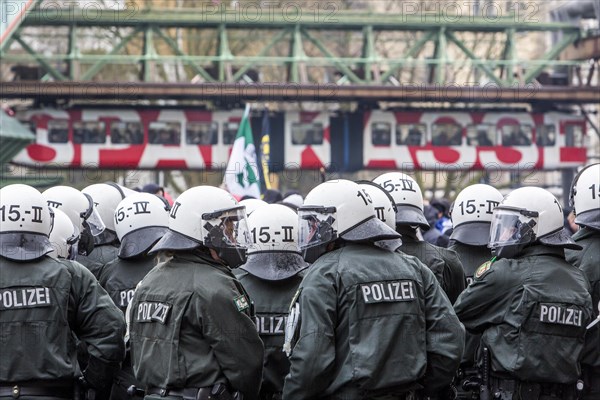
(310, 41)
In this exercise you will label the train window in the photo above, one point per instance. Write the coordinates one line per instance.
(446, 134)
(201, 133)
(516, 135)
(164, 133)
(545, 135)
(126, 132)
(58, 131)
(480, 135)
(410, 134)
(307, 133)
(230, 132)
(89, 132)
(574, 135)
(381, 133)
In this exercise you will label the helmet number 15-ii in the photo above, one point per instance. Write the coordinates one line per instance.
(14, 214)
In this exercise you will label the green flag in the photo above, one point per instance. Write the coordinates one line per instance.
(241, 175)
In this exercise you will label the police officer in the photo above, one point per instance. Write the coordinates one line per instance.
(106, 197)
(444, 263)
(471, 218)
(192, 330)
(366, 322)
(44, 302)
(140, 220)
(271, 276)
(585, 199)
(84, 215)
(530, 306)
(385, 211)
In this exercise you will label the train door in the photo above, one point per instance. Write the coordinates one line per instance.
(572, 141)
(228, 123)
(307, 140)
(346, 142)
(379, 129)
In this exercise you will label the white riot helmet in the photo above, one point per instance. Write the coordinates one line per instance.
(252, 204)
(407, 196)
(106, 197)
(64, 236)
(140, 221)
(274, 253)
(80, 209)
(338, 209)
(385, 209)
(585, 196)
(25, 224)
(527, 215)
(78, 206)
(472, 213)
(211, 217)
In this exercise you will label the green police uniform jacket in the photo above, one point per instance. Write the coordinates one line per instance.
(444, 263)
(371, 320)
(42, 304)
(471, 258)
(532, 311)
(120, 277)
(272, 303)
(588, 260)
(101, 255)
(191, 326)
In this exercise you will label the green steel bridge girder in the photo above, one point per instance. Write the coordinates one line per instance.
(151, 27)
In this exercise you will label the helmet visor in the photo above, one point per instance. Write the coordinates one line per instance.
(512, 226)
(92, 217)
(227, 228)
(317, 225)
(94, 221)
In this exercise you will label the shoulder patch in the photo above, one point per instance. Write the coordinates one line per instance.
(241, 302)
(483, 268)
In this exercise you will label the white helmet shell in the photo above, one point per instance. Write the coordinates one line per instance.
(140, 220)
(334, 209)
(472, 213)
(63, 236)
(385, 209)
(252, 204)
(526, 215)
(106, 197)
(408, 198)
(274, 254)
(585, 197)
(209, 216)
(273, 228)
(78, 206)
(25, 223)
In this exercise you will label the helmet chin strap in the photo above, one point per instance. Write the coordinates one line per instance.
(229, 257)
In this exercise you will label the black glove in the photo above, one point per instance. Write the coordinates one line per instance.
(99, 374)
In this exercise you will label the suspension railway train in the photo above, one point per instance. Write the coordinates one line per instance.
(141, 138)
